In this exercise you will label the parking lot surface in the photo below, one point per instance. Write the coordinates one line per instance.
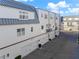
(65, 46)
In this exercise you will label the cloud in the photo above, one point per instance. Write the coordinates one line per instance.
(55, 7)
(25, 0)
(61, 12)
(74, 10)
(36, 7)
(63, 4)
(66, 11)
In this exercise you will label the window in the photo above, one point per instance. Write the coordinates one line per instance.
(41, 15)
(55, 28)
(18, 32)
(51, 17)
(42, 27)
(69, 24)
(45, 16)
(20, 12)
(31, 29)
(56, 18)
(21, 32)
(8, 55)
(24, 12)
(23, 16)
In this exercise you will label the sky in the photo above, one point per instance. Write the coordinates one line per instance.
(63, 7)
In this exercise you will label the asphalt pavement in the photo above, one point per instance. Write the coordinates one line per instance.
(65, 46)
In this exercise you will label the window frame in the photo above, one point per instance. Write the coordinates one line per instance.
(42, 27)
(46, 16)
(69, 24)
(18, 32)
(31, 29)
(21, 32)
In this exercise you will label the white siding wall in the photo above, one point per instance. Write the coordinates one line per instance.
(75, 23)
(52, 21)
(42, 20)
(8, 12)
(57, 21)
(8, 34)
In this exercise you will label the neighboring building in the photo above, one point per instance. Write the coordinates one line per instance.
(71, 23)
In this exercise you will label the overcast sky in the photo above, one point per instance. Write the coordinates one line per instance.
(64, 7)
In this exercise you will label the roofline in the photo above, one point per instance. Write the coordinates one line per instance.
(46, 10)
(72, 16)
(71, 21)
(23, 3)
(16, 2)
